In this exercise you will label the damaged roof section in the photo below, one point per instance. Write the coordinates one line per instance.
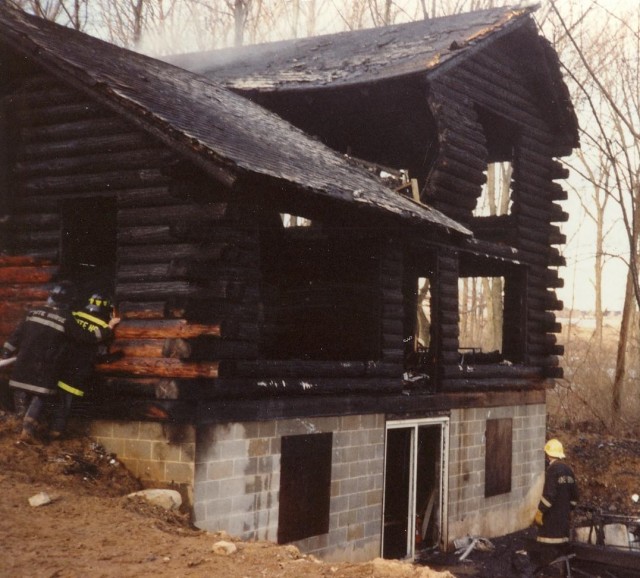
(353, 57)
(221, 132)
(423, 49)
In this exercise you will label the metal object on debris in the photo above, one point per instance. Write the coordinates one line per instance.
(469, 549)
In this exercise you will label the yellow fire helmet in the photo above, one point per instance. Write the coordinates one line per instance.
(553, 448)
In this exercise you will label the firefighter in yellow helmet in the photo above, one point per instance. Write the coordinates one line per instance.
(559, 498)
(96, 320)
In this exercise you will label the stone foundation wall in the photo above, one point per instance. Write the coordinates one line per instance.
(158, 454)
(238, 478)
(470, 513)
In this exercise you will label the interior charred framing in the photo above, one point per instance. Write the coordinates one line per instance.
(167, 183)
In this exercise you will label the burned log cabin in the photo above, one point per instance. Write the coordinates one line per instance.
(285, 229)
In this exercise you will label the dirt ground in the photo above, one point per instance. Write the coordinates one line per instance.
(91, 529)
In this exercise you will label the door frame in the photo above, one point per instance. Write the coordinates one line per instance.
(414, 424)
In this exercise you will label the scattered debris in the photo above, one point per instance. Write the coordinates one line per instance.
(167, 499)
(224, 548)
(40, 499)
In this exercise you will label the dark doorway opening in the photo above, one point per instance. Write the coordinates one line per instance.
(88, 251)
(415, 475)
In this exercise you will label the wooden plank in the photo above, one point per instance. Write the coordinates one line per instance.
(159, 367)
(94, 163)
(170, 328)
(115, 180)
(124, 141)
(32, 274)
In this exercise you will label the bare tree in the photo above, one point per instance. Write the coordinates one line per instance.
(608, 85)
(67, 12)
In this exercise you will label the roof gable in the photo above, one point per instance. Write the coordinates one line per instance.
(426, 48)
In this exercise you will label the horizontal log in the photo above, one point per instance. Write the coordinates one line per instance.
(39, 274)
(393, 356)
(393, 327)
(159, 367)
(59, 113)
(164, 253)
(247, 388)
(23, 293)
(111, 181)
(139, 347)
(188, 213)
(474, 158)
(26, 239)
(157, 234)
(503, 101)
(152, 329)
(35, 220)
(554, 372)
(500, 384)
(46, 96)
(210, 348)
(131, 197)
(492, 371)
(293, 368)
(75, 129)
(125, 141)
(392, 341)
(151, 272)
(464, 194)
(21, 261)
(94, 163)
(43, 253)
(149, 310)
(151, 291)
(469, 174)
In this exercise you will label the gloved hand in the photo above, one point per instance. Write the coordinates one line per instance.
(538, 518)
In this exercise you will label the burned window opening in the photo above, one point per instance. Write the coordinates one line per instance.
(418, 341)
(89, 244)
(320, 297)
(496, 199)
(502, 140)
(481, 303)
(492, 312)
(289, 220)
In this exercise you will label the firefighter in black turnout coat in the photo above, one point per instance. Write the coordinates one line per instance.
(96, 322)
(559, 498)
(38, 344)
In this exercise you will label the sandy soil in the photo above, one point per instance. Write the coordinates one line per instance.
(91, 529)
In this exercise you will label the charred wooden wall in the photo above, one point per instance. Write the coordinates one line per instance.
(186, 280)
(189, 271)
(490, 81)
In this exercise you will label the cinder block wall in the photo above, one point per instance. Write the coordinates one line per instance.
(237, 482)
(470, 513)
(158, 454)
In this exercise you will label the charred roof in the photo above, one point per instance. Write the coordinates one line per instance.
(424, 49)
(354, 57)
(223, 133)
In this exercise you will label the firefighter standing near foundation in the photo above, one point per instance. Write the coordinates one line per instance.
(38, 344)
(96, 322)
(559, 498)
